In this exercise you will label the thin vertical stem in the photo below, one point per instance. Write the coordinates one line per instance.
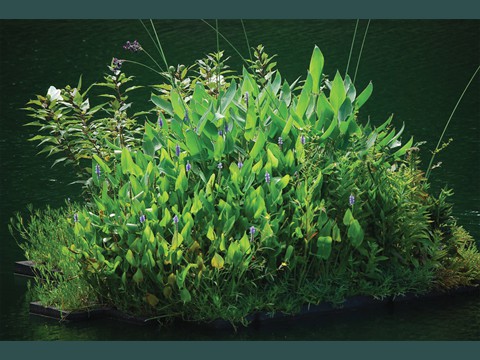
(218, 63)
(351, 47)
(429, 169)
(159, 44)
(246, 39)
(361, 49)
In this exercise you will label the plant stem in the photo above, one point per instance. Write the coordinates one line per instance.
(159, 45)
(246, 39)
(228, 42)
(351, 47)
(361, 49)
(429, 169)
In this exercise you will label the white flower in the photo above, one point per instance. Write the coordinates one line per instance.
(54, 94)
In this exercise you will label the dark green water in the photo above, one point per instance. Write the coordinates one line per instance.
(419, 69)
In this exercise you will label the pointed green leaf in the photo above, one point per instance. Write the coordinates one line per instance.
(162, 104)
(193, 143)
(217, 261)
(337, 93)
(324, 247)
(355, 233)
(316, 68)
(403, 149)
(259, 143)
(138, 276)
(364, 96)
(130, 258)
(348, 218)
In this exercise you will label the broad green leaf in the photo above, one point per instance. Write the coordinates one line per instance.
(61, 160)
(148, 235)
(232, 248)
(130, 258)
(196, 205)
(193, 143)
(324, 111)
(181, 183)
(102, 164)
(288, 253)
(185, 295)
(183, 275)
(329, 131)
(287, 128)
(324, 247)
(364, 96)
(403, 149)
(272, 159)
(217, 261)
(128, 166)
(219, 148)
(257, 167)
(152, 300)
(228, 97)
(336, 233)
(337, 93)
(304, 98)
(345, 110)
(286, 94)
(355, 233)
(211, 233)
(178, 105)
(348, 218)
(283, 182)
(162, 104)
(138, 276)
(316, 68)
(228, 225)
(245, 244)
(259, 143)
(148, 147)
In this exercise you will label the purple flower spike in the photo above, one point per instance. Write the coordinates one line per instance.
(246, 98)
(160, 121)
(267, 177)
(188, 167)
(302, 140)
(97, 170)
(220, 132)
(351, 200)
(186, 119)
(280, 141)
(220, 165)
(177, 150)
(75, 217)
(252, 232)
(132, 46)
(240, 164)
(142, 219)
(175, 219)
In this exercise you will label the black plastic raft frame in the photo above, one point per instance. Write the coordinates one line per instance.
(27, 268)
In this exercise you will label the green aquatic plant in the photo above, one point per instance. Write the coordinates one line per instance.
(47, 239)
(239, 189)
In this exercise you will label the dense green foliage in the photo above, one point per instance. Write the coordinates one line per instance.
(242, 193)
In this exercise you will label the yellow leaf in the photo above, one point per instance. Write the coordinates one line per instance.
(152, 299)
(172, 279)
(217, 261)
(167, 291)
